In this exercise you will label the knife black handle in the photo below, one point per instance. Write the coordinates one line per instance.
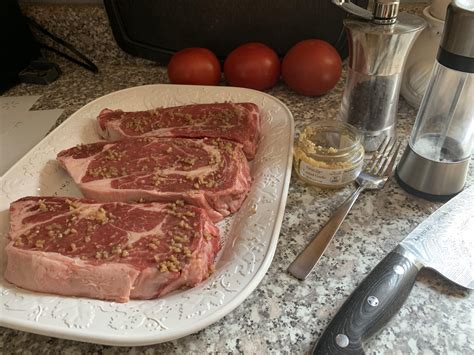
(370, 306)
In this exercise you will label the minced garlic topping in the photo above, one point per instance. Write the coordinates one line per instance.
(330, 164)
(328, 154)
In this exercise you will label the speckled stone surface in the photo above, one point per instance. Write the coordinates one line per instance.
(284, 315)
(86, 27)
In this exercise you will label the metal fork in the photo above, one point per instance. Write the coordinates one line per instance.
(373, 177)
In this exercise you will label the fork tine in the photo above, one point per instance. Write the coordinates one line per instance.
(370, 164)
(377, 155)
(390, 163)
(384, 156)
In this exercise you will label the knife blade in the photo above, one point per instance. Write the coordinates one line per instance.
(443, 242)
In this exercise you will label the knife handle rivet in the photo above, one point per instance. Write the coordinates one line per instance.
(398, 269)
(373, 301)
(342, 340)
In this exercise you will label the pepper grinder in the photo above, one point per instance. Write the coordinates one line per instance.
(379, 42)
(436, 161)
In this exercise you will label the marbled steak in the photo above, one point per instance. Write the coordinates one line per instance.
(239, 122)
(210, 173)
(110, 251)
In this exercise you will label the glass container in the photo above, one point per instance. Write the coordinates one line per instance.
(436, 161)
(329, 154)
(445, 122)
(379, 42)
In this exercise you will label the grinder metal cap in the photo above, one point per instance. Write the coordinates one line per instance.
(386, 11)
(457, 45)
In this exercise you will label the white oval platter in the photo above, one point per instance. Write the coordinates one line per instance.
(250, 236)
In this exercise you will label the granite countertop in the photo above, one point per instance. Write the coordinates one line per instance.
(284, 315)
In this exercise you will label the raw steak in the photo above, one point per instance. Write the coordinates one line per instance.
(111, 251)
(239, 122)
(210, 173)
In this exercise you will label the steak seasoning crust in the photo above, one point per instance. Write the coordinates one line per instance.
(239, 122)
(109, 251)
(210, 173)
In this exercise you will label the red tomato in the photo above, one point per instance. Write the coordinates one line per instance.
(252, 65)
(195, 66)
(311, 67)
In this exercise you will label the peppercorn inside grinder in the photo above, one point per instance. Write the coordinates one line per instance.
(436, 161)
(379, 43)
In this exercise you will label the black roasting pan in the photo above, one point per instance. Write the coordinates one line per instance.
(155, 29)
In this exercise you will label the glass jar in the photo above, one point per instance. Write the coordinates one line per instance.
(329, 154)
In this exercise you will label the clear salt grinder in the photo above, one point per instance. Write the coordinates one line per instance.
(436, 161)
(379, 42)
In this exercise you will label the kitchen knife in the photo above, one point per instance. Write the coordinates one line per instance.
(443, 242)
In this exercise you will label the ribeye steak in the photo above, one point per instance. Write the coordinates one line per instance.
(111, 251)
(239, 122)
(211, 173)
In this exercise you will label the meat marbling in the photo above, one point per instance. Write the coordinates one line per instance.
(211, 173)
(110, 251)
(239, 122)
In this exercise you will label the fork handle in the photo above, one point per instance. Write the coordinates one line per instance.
(302, 266)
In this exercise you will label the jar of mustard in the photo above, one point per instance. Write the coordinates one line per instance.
(329, 154)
